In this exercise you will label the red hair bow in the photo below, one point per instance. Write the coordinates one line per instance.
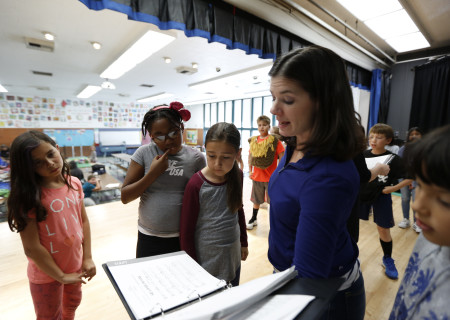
(179, 107)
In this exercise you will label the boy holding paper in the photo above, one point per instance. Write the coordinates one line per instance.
(377, 193)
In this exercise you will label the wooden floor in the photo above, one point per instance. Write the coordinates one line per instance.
(114, 234)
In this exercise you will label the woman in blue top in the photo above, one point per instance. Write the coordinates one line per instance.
(316, 183)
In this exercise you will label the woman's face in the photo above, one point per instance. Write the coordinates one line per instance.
(293, 107)
(166, 136)
(414, 135)
(432, 207)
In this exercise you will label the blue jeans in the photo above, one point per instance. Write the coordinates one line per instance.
(407, 194)
(349, 304)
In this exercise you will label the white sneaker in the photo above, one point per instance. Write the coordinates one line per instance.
(416, 228)
(404, 223)
(252, 223)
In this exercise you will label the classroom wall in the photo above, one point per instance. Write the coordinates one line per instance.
(18, 111)
(7, 135)
(196, 121)
(402, 86)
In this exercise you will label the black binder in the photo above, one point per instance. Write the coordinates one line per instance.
(136, 281)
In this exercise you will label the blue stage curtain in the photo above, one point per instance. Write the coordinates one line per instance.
(375, 94)
(218, 21)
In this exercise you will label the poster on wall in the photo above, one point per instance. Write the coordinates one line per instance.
(191, 136)
(44, 112)
(71, 138)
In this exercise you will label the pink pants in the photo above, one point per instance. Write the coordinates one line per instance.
(55, 301)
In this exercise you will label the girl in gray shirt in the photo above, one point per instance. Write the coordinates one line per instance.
(158, 174)
(212, 226)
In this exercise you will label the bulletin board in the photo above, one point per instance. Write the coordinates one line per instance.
(192, 136)
(71, 138)
(119, 137)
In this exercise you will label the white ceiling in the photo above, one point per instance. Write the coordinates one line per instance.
(75, 64)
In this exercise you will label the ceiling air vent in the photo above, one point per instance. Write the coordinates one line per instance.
(41, 73)
(186, 70)
(43, 88)
(38, 44)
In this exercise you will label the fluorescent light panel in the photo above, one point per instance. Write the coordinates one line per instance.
(190, 103)
(390, 21)
(393, 24)
(88, 92)
(368, 9)
(2, 89)
(148, 44)
(232, 83)
(408, 42)
(156, 97)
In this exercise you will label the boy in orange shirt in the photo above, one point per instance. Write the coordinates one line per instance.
(265, 151)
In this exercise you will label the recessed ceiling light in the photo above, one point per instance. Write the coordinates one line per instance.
(2, 89)
(96, 45)
(195, 65)
(49, 36)
(167, 60)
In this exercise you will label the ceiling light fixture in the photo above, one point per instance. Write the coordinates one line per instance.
(2, 89)
(108, 85)
(148, 44)
(390, 21)
(234, 82)
(167, 60)
(158, 96)
(48, 36)
(194, 65)
(88, 92)
(96, 45)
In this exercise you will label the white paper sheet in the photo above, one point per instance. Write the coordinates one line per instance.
(160, 284)
(237, 298)
(371, 162)
(112, 185)
(277, 307)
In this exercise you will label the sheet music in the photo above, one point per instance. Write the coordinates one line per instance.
(371, 162)
(112, 185)
(152, 285)
(277, 307)
(234, 299)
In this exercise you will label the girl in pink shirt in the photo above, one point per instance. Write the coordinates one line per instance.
(46, 207)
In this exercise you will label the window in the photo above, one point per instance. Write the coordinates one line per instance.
(247, 113)
(221, 112)
(213, 113)
(238, 113)
(267, 104)
(229, 112)
(207, 109)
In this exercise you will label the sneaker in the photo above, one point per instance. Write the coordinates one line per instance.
(252, 223)
(391, 271)
(404, 223)
(416, 228)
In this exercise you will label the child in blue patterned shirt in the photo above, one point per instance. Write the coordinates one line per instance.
(424, 291)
